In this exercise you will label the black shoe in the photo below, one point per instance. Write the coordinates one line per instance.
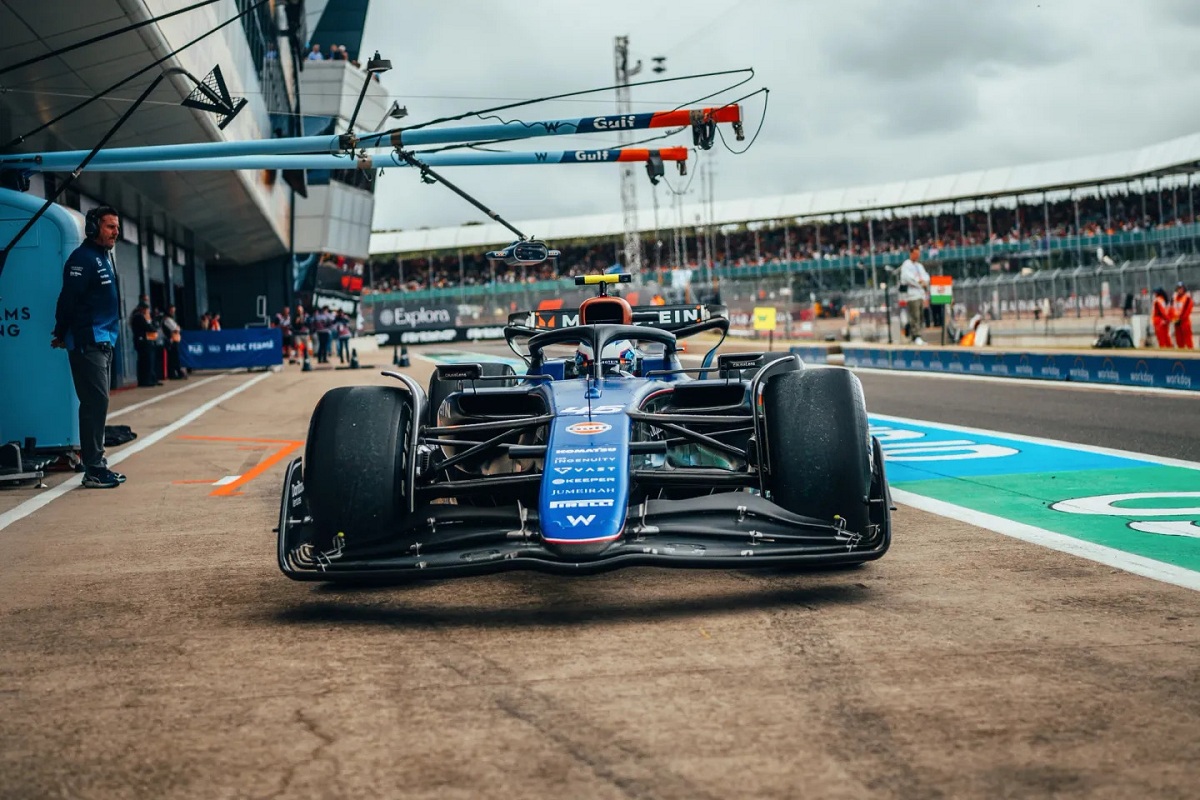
(101, 479)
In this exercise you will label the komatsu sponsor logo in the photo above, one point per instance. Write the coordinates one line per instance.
(587, 450)
(614, 123)
(581, 503)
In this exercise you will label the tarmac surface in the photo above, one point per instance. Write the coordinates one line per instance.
(150, 647)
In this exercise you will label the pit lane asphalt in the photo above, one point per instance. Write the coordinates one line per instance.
(149, 646)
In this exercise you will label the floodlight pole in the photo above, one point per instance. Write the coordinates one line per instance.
(633, 239)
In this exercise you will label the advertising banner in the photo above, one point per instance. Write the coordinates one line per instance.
(335, 302)
(466, 333)
(1135, 369)
(401, 317)
(232, 349)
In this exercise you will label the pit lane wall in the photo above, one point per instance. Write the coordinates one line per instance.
(1136, 368)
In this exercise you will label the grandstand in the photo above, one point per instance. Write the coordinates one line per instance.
(1068, 214)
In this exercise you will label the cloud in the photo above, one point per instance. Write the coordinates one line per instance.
(894, 42)
(1186, 12)
(862, 91)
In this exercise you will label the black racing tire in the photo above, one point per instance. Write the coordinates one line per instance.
(819, 445)
(440, 389)
(356, 464)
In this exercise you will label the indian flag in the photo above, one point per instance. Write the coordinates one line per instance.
(941, 289)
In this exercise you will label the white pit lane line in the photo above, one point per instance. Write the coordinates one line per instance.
(1045, 384)
(73, 482)
(191, 385)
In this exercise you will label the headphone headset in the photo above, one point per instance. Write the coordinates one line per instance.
(91, 221)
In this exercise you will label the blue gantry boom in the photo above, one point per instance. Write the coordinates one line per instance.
(346, 143)
(385, 160)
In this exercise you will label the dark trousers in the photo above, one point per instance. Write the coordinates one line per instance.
(148, 357)
(174, 369)
(324, 340)
(91, 370)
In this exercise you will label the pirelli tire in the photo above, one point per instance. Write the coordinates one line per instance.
(440, 389)
(356, 464)
(819, 445)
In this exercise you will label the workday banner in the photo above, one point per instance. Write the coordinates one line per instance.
(232, 349)
(1151, 369)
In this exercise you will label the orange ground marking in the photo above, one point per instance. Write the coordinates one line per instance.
(264, 465)
(231, 489)
(238, 439)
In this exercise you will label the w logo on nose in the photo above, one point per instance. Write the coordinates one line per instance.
(583, 519)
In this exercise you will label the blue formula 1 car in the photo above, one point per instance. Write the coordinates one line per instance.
(607, 453)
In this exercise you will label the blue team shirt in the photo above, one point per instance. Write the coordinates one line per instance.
(88, 310)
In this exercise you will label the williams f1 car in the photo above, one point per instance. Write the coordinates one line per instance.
(606, 453)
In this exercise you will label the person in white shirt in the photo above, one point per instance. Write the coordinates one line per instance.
(914, 294)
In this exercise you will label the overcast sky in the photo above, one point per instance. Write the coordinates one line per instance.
(862, 91)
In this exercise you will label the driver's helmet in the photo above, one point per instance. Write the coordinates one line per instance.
(622, 349)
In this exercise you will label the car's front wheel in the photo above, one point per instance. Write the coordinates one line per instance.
(819, 445)
(356, 464)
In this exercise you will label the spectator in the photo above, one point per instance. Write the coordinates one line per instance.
(322, 324)
(300, 327)
(283, 321)
(214, 323)
(341, 328)
(145, 340)
(914, 288)
(174, 335)
(86, 323)
(338, 53)
(315, 53)
(1181, 312)
(1160, 318)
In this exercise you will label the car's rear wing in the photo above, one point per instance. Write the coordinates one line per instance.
(669, 318)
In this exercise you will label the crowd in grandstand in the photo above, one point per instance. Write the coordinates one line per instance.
(1086, 216)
